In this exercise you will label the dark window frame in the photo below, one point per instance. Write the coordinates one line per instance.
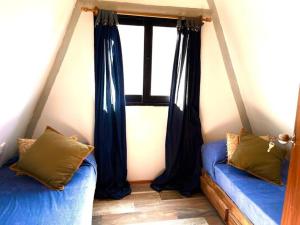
(146, 98)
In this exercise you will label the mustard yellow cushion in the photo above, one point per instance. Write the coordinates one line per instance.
(52, 159)
(252, 155)
(234, 139)
(24, 144)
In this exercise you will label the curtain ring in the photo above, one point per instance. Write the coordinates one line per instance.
(98, 19)
(179, 24)
(105, 18)
(115, 18)
(110, 19)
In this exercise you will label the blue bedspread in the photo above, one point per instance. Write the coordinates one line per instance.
(260, 201)
(24, 201)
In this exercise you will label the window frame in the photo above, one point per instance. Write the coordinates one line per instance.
(146, 99)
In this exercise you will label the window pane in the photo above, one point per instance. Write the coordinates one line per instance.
(132, 41)
(163, 50)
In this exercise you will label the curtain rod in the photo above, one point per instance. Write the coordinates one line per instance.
(95, 11)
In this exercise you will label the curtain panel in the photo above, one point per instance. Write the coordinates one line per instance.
(110, 123)
(183, 137)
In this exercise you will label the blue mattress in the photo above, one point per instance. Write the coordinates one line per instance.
(260, 201)
(24, 201)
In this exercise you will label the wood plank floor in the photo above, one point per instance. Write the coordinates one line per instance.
(147, 207)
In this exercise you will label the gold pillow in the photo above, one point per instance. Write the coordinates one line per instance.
(52, 159)
(234, 139)
(24, 143)
(252, 155)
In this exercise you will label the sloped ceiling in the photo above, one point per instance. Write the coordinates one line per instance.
(263, 40)
(31, 32)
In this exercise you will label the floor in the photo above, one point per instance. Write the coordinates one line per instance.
(147, 207)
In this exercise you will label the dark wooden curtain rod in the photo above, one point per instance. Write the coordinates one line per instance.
(95, 11)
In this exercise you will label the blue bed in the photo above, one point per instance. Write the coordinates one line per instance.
(24, 201)
(260, 201)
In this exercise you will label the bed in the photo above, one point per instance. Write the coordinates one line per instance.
(25, 201)
(239, 197)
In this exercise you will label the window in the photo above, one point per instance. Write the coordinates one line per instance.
(148, 48)
(132, 41)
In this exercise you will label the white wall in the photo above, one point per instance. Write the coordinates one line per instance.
(146, 132)
(263, 39)
(31, 32)
(218, 111)
(70, 106)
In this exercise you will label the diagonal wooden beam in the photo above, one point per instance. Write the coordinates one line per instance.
(229, 66)
(54, 70)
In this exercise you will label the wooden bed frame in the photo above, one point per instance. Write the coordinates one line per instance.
(226, 208)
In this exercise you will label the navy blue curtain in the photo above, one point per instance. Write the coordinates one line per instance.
(183, 138)
(110, 124)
